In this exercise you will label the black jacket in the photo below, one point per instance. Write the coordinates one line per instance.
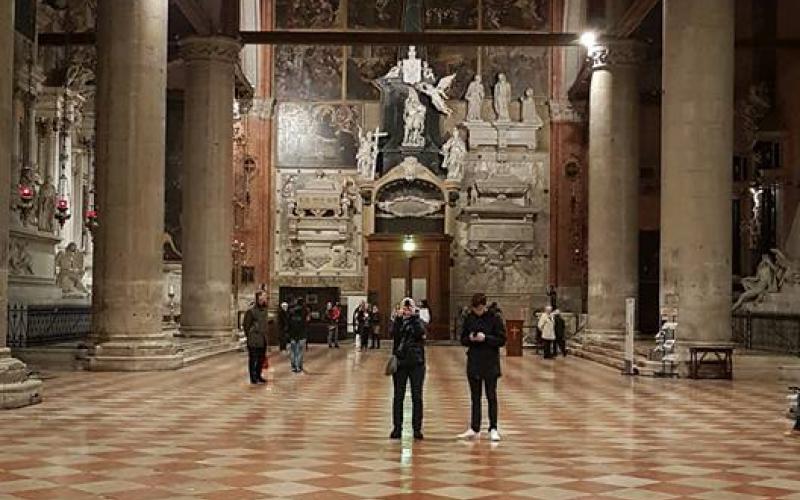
(409, 341)
(255, 327)
(559, 326)
(483, 358)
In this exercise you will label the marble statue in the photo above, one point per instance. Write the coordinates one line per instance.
(454, 152)
(19, 258)
(768, 278)
(502, 98)
(46, 207)
(414, 121)
(475, 96)
(364, 154)
(70, 272)
(438, 94)
(528, 104)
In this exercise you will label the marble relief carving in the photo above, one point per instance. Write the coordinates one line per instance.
(523, 66)
(527, 15)
(446, 14)
(314, 135)
(320, 224)
(308, 72)
(308, 14)
(374, 14)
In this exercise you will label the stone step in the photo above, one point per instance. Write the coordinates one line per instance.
(199, 349)
(610, 354)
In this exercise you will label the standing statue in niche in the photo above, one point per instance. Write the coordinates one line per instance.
(454, 152)
(502, 98)
(475, 96)
(70, 270)
(414, 121)
(46, 207)
(364, 154)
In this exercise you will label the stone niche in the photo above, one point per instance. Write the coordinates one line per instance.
(319, 231)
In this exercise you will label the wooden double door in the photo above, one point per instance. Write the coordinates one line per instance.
(424, 273)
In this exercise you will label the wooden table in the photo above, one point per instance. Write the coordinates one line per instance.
(720, 362)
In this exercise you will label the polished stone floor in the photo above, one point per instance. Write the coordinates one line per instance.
(571, 429)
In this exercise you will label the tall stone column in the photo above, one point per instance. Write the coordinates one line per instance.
(208, 185)
(613, 184)
(16, 389)
(131, 115)
(696, 156)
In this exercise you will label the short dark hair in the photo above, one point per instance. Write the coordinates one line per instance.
(479, 299)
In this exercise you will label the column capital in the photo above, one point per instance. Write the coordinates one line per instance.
(215, 48)
(617, 53)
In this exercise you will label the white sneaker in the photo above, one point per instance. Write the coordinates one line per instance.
(469, 435)
(494, 435)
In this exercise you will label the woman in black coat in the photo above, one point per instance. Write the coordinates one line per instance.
(483, 334)
(408, 334)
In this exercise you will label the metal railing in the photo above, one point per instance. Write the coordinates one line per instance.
(41, 325)
(773, 332)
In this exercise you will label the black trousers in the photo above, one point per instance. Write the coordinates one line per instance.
(547, 349)
(363, 334)
(375, 338)
(475, 386)
(404, 374)
(560, 344)
(255, 361)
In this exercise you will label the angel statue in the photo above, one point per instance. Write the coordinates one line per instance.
(438, 94)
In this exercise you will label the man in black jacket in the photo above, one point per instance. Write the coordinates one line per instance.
(560, 328)
(409, 346)
(483, 334)
(255, 328)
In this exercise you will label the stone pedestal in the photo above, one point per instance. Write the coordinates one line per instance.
(131, 109)
(208, 186)
(16, 388)
(613, 184)
(696, 145)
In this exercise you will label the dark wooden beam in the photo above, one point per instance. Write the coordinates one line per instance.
(633, 17)
(475, 39)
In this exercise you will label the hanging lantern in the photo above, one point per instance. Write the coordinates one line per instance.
(62, 211)
(91, 220)
(25, 196)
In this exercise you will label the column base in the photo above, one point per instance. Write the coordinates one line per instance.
(203, 331)
(136, 355)
(16, 388)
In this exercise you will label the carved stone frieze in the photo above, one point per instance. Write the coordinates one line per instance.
(214, 48)
(617, 53)
(20, 261)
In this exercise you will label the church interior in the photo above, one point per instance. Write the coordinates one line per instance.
(632, 164)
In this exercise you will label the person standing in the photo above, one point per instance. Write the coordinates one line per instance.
(408, 334)
(375, 328)
(425, 312)
(483, 334)
(283, 326)
(361, 324)
(547, 328)
(334, 313)
(298, 319)
(560, 330)
(255, 328)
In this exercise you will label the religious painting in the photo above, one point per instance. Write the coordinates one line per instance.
(298, 14)
(308, 72)
(317, 135)
(516, 15)
(446, 14)
(447, 60)
(365, 63)
(375, 14)
(523, 66)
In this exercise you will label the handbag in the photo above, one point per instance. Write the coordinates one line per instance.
(391, 366)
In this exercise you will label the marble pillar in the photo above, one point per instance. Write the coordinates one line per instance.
(131, 115)
(613, 247)
(696, 177)
(208, 186)
(16, 388)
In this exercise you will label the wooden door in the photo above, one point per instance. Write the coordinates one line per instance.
(390, 269)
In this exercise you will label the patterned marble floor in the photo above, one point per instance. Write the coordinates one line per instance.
(571, 429)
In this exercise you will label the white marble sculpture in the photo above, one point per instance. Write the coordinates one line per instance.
(502, 98)
(46, 207)
(529, 113)
(438, 94)
(474, 97)
(413, 121)
(364, 154)
(768, 278)
(69, 277)
(454, 152)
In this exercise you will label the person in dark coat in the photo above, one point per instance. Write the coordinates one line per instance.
(361, 324)
(255, 328)
(298, 321)
(375, 328)
(483, 334)
(283, 326)
(408, 334)
(560, 327)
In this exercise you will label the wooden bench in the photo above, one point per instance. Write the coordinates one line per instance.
(717, 359)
